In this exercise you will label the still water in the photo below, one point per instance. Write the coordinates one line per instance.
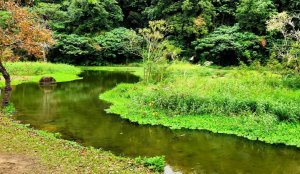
(74, 110)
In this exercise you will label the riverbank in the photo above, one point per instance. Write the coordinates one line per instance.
(257, 105)
(24, 150)
(33, 71)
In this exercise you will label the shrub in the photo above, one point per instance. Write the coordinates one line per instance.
(119, 45)
(74, 49)
(228, 46)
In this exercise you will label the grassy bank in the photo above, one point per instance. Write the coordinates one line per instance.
(43, 152)
(33, 71)
(258, 105)
(52, 155)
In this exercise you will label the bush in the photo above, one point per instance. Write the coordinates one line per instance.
(228, 46)
(119, 45)
(75, 49)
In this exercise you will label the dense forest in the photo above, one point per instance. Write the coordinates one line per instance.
(225, 32)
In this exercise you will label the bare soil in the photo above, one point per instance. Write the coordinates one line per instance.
(18, 164)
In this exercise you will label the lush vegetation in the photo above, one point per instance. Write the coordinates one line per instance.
(256, 104)
(245, 80)
(93, 32)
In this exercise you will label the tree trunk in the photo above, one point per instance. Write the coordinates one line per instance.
(7, 89)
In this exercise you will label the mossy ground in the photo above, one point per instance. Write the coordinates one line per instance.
(168, 103)
(53, 155)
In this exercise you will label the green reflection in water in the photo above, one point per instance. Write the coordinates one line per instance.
(73, 109)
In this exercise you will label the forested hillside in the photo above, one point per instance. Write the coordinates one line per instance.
(226, 32)
(118, 75)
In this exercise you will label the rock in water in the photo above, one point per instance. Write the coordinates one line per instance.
(47, 81)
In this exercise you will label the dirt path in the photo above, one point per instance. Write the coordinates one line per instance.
(18, 164)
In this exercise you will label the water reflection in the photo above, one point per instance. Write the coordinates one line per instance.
(74, 109)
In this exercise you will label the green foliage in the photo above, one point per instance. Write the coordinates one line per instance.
(186, 19)
(157, 51)
(92, 15)
(228, 46)
(185, 84)
(154, 163)
(119, 45)
(75, 49)
(253, 14)
(99, 26)
(133, 12)
(292, 81)
(81, 16)
(8, 110)
(223, 94)
(225, 11)
(53, 14)
(4, 16)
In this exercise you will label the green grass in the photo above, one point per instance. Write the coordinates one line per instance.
(33, 71)
(55, 155)
(252, 104)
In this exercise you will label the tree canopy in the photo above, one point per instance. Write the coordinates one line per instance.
(227, 32)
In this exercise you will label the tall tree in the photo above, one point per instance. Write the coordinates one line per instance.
(93, 15)
(21, 31)
(253, 14)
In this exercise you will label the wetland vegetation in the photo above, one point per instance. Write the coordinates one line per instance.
(178, 80)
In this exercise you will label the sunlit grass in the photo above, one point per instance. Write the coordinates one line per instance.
(249, 103)
(33, 71)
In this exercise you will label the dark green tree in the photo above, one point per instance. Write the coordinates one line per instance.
(228, 46)
(90, 16)
(253, 14)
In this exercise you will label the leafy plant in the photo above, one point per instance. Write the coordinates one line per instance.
(9, 109)
(153, 55)
(154, 163)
